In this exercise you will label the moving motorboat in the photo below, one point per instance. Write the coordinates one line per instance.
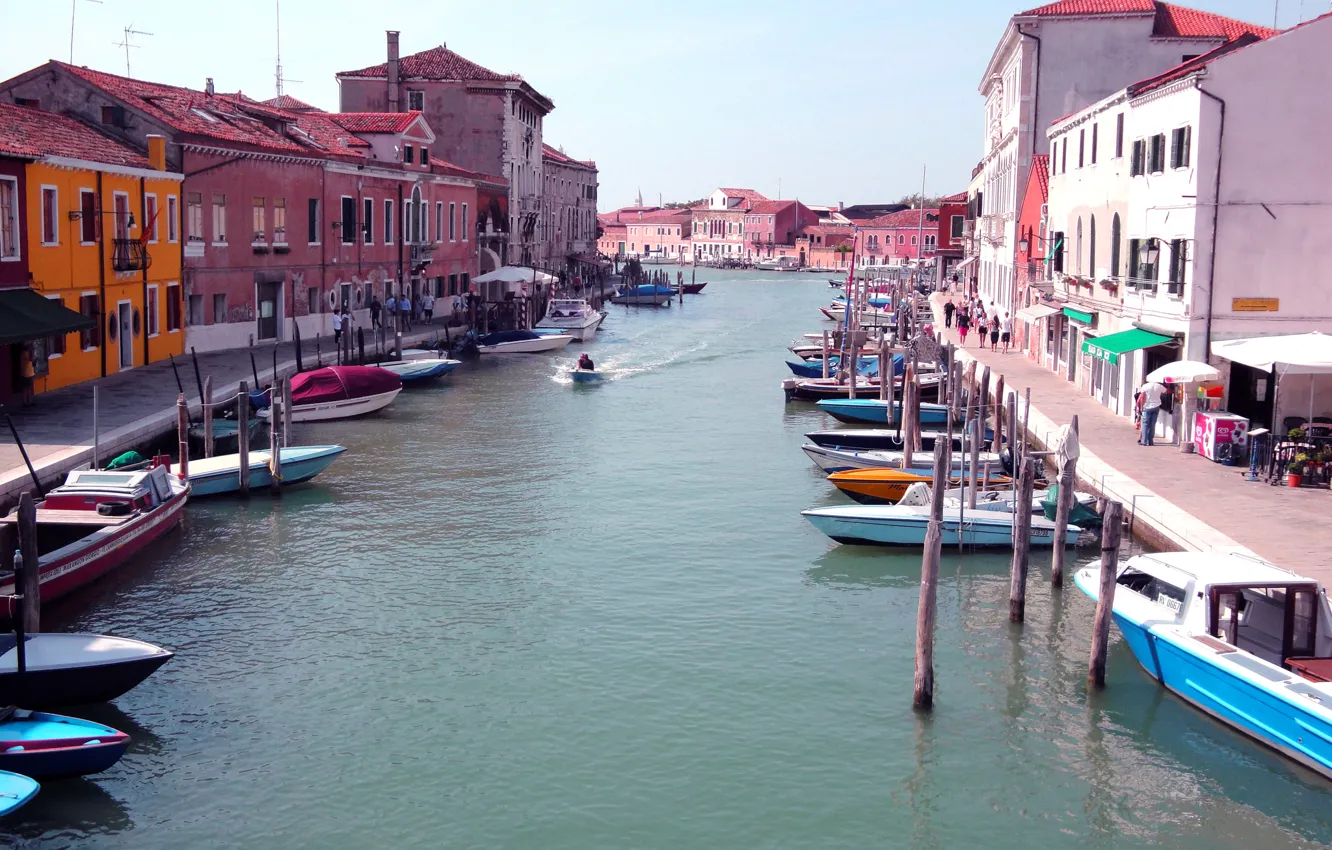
(1242, 639)
(40, 744)
(572, 316)
(522, 342)
(585, 376)
(94, 522)
(220, 474)
(340, 392)
(74, 669)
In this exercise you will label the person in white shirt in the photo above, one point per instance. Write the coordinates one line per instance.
(1006, 330)
(337, 327)
(1149, 407)
(428, 307)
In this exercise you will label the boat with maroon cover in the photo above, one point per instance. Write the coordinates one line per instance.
(340, 392)
(94, 522)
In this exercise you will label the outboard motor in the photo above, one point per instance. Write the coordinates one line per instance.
(1006, 462)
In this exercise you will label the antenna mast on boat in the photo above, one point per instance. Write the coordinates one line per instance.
(73, 8)
(125, 43)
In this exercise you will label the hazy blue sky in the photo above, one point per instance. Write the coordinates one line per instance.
(840, 101)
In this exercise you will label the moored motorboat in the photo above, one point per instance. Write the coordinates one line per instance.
(837, 460)
(74, 669)
(421, 370)
(15, 791)
(693, 288)
(40, 744)
(873, 410)
(225, 434)
(341, 392)
(644, 295)
(220, 474)
(96, 521)
(522, 342)
(821, 389)
(1240, 638)
(877, 439)
(906, 525)
(572, 316)
(887, 486)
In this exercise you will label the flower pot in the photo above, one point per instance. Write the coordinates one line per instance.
(1294, 479)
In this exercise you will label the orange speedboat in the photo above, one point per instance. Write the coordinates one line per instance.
(880, 486)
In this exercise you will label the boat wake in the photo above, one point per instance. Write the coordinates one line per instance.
(619, 368)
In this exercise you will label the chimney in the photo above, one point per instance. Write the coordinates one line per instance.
(392, 70)
(840, 206)
(157, 152)
(208, 87)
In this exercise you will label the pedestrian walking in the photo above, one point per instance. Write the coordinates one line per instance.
(337, 329)
(1148, 398)
(390, 310)
(949, 307)
(1006, 331)
(375, 308)
(27, 372)
(994, 331)
(428, 308)
(963, 325)
(405, 310)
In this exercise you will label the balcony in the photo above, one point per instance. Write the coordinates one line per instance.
(129, 255)
(422, 253)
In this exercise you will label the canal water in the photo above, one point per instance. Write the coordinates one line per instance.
(522, 614)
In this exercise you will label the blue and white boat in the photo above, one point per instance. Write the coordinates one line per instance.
(218, 475)
(874, 410)
(906, 525)
(866, 366)
(832, 460)
(585, 376)
(644, 295)
(39, 744)
(15, 791)
(1244, 640)
(418, 371)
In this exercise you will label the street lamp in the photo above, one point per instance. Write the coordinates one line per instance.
(1024, 245)
(1150, 252)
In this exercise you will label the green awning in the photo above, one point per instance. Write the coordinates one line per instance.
(1079, 316)
(27, 315)
(1109, 347)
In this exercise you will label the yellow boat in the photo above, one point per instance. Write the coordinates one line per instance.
(880, 486)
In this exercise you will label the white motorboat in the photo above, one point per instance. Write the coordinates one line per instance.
(906, 525)
(521, 342)
(839, 460)
(341, 392)
(572, 316)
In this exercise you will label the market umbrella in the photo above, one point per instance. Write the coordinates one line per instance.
(514, 274)
(1184, 372)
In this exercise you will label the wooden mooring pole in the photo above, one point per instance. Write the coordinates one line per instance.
(183, 436)
(276, 403)
(1067, 481)
(29, 580)
(1105, 600)
(208, 416)
(286, 411)
(997, 444)
(243, 437)
(923, 693)
(1017, 593)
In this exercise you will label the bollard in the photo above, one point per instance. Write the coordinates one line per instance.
(30, 585)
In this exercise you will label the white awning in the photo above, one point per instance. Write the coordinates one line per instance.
(962, 265)
(1292, 354)
(1036, 312)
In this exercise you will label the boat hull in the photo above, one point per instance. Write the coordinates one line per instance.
(529, 346)
(581, 328)
(77, 684)
(642, 300)
(298, 464)
(694, 288)
(343, 408)
(15, 791)
(907, 527)
(875, 411)
(888, 486)
(585, 376)
(43, 745)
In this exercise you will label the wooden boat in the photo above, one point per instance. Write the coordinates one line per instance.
(694, 288)
(644, 295)
(820, 389)
(521, 342)
(885, 486)
(572, 316)
(868, 316)
(837, 460)
(836, 283)
(420, 371)
(585, 376)
(905, 525)
(74, 669)
(341, 392)
(225, 433)
(39, 744)
(877, 439)
(220, 475)
(15, 791)
(96, 521)
(1240, 638)
(874, 411)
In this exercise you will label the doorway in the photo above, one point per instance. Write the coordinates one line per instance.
(269, 293)
(125, 323)
(1251, 394)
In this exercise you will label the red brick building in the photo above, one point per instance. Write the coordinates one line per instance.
(950, 250)
(771, 228)
(901, 237)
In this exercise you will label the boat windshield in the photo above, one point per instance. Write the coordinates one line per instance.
(1155, 589)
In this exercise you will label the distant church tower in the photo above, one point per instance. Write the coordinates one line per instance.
(639, 201)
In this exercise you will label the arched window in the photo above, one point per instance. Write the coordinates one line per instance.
(1091, 246)
(417, 209)
(1077, 257)
(1114, 246)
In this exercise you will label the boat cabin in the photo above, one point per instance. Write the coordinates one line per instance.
(1241, 603)
(562, 308)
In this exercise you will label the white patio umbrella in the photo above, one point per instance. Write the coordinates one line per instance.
(1289, 354)
(1184, 372)
(514, 274)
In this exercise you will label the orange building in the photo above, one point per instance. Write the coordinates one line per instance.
(102, 240)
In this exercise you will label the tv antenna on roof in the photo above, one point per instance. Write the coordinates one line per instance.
(125, 43)
(73, 8)
(278, 75)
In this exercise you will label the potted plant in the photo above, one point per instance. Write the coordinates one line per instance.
(1295, 470)
(1295, 435)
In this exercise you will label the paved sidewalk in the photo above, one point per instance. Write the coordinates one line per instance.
(1185, 499)
(137, 405)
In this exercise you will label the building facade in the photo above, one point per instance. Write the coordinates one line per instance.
(771, 228)
(660, 236)
(569, 221)
(718, 231)
(900, 238)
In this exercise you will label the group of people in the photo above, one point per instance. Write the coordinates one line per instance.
(991, 326)
(387, 312)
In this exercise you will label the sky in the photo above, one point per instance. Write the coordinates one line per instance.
(817, 101)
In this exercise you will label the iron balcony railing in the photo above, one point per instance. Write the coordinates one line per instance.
(129, 255)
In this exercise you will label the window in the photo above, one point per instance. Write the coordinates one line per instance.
(194, 223)
(1119, 135)
(464, 223)
(219, 308)
(913, 240)
(347, 224)
(150, 218)
(453, 285)
(1179, 256)
(1138, 164)
(55, 345)
(313, 303)
(87, 217)
(415, 100)
(1077, 255)
(439, 221)
(92, 337)
(1156, 154)
(173, 307)
(1181, 140)
(1057, 250)
(1114, 246)
(151, 310)
(368, 220)
(9, 218)
(1134, 257)
(901, 239)
(312, 210)
(453, 222)
(196, 313)
(388, 222)
(279, 221)
(1091, 246)
(425, 155)
(173, 219)
(1095, 134)
(219, 219)
(1082, 147)
(407, 154)
(50, 216)
(260, 228)
(1063, 157)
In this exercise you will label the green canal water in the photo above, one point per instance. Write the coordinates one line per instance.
(519, 614)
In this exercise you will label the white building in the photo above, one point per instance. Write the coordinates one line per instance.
(1051, 61)
(1221, 191)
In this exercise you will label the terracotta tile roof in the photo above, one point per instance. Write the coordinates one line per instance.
(748, 194)
(290, 104)
(458, 171)
(770, 207)
(32, 133)
(959, 198)
(658, 217)
(437, 63)
(376, 122)
(1040, 172)
(902, 218)
(1170, 21)
(548, 152)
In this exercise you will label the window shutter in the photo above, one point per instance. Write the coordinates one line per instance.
(1188, 145)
